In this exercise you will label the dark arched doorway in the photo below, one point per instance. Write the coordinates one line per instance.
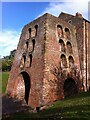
(70, 87)
(27, 83)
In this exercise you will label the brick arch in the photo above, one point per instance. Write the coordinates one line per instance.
(27, 84)
(62, 46)
(22, 86)
(71, 61)
(36, 30)
(63, 61)
(29, 31)
(33, 42)
(69, 47)
(59, 31)
(70, 87)
(67, 32)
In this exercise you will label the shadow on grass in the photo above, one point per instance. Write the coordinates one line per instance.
(11, 106)
(66, 113)
(73, 112)
(79, 109)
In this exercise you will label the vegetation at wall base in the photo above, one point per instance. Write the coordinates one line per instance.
(73, 108)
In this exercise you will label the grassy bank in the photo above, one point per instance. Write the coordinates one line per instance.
(5, 76)
(74, 108)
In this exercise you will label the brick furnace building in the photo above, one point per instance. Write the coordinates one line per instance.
(52, 59)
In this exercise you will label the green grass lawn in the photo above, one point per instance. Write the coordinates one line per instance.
(5, 76)
(74, 108)
(0, 82)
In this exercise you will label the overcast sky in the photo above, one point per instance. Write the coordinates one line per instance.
(16, 14)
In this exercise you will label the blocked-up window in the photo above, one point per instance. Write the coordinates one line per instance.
(69, 47)
(29, 61)
(62, 46)
(63, 61)
(31, 46)
(59, 31)
(27, 64)
(67, 31)
(25, 47)
(71, 62)
(23, 60)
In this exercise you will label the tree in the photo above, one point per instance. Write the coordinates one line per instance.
(6, 65)
(7, 61)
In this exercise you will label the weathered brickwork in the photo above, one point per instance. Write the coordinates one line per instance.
(83, 39)
(52, 60)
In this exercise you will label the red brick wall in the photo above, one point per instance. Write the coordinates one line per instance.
(83, 44)
(53, 84)
(36, 71)
(89, 54)
(52, 60)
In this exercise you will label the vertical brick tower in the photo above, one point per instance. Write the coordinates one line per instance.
(50, 62)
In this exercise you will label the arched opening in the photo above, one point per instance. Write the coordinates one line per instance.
(70, 88)
(69, 48)
(33, 41)
(63, 61)
(27, 43)
(67, 33)
(62, 45)
(59, 30)
(36, 28)
(29, 32)
(24, 58)
(71, 62)
(30, 59)
(27, 83)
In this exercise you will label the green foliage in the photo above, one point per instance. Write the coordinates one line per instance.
(7, 61)
(12, 53)
(5, 76)
(6, 64)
